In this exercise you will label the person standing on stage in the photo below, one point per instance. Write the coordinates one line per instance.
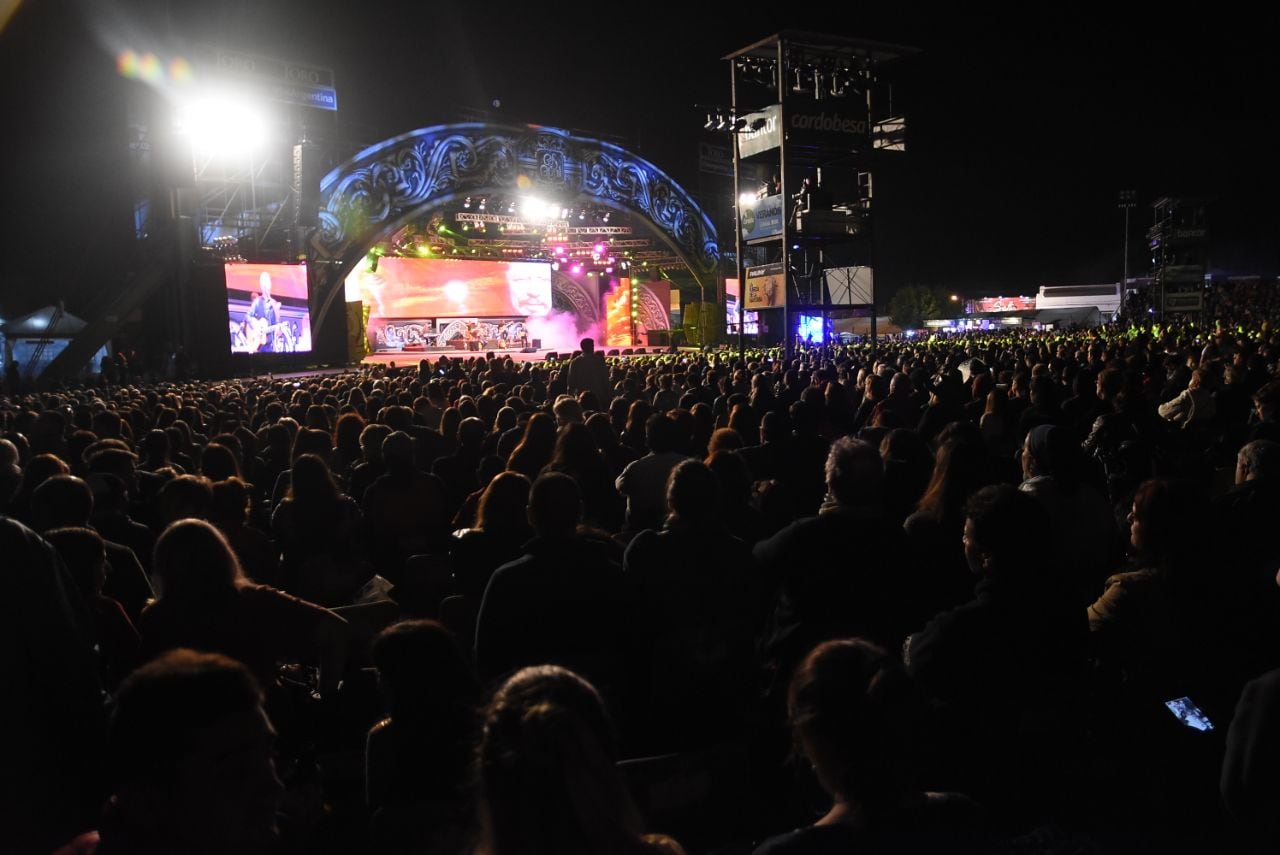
(264, 314)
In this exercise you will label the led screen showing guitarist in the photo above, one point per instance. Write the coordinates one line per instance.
(265, 330)
(267, 308)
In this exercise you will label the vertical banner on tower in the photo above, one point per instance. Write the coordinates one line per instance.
(766, 287)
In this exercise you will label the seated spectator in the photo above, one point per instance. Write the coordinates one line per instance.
(404, 509)
(66, 501)
(818, 598)
(548, 783)
(499, 536)
(186, 497)
(854, 714)
(85, 556)
(695, 592)
(206, 603)
(51, 784)
(1250, 783)
(1009, 665)
(934, 530)
(577, 456)
(317, 528)
(536, 448)
(229, 512)
(422, 751)
(1195, 405)
(560, 602)
(1141, 625)
(1082, 526)
(644, 482)
(191, 761)
(457, 471)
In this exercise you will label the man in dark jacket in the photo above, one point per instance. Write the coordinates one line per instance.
(1008, 666)
(559, 603)
(838, 574)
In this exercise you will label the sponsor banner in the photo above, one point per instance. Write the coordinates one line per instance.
(766, 287)
(1003, 304)
(834, 128)
(763, 131)
(1183, 302)
(761, 218)
(279, 80)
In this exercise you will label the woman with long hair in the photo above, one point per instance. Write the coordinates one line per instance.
(548, 780)
(499, 535)
(316, 528)
(1140, 624)
(577, 456)
(616, 455)
(633, 436)
(206, 603)
(536, 448)
(346, 442)
(853, 712)
(934, 531)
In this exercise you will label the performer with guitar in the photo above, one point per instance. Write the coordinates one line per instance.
(263, 320)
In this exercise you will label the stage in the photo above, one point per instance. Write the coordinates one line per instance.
(411, 357)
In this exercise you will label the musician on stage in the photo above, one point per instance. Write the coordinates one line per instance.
(263, 318)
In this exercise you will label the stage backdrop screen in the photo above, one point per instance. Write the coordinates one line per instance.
(267, 308)
(445, 288)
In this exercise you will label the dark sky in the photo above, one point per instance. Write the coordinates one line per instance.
(1020, 132)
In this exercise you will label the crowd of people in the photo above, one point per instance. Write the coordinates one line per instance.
(1006, 592)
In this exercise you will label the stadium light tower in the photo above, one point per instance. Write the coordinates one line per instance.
(1127, 202)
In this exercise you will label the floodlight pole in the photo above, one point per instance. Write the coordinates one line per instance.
(1127, 203)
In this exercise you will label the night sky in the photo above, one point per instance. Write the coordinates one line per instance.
(1020, 132)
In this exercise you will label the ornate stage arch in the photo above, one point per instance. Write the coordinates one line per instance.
(387, 185)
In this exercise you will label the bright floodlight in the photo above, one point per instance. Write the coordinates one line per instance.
(222, 125)
(747, 199)
(538, 211)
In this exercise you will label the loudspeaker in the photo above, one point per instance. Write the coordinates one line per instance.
(613, 352)
(528, 350)
(551, 354)
(536, 343)
(306, 184)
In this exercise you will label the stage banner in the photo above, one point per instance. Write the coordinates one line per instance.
(766, 287)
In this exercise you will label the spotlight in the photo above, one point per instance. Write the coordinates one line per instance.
(222, 125)
(466, 203)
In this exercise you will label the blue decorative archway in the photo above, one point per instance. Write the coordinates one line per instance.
(387, 185)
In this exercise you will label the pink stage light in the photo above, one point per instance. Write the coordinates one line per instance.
(598, 249)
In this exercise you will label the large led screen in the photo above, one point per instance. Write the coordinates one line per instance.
(445, 288)
(267, 308)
